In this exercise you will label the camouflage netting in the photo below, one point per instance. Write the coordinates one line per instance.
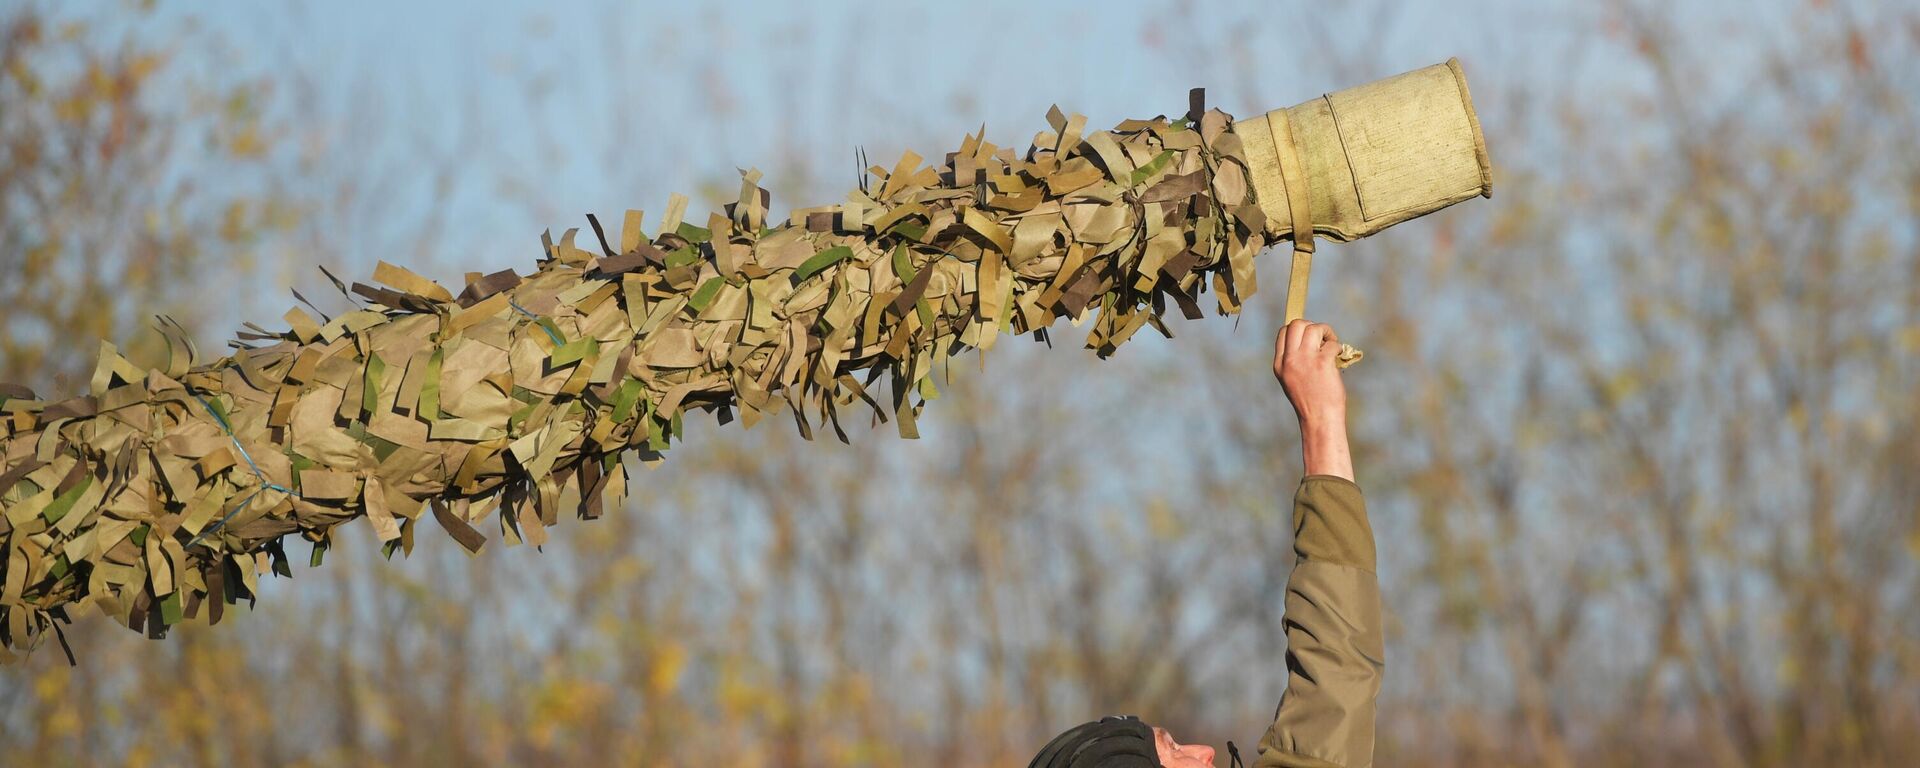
(166, 493)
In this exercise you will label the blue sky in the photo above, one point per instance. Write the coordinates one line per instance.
(555, 109)
(638, 100)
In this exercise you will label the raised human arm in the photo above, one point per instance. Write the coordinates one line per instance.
(1335, 648)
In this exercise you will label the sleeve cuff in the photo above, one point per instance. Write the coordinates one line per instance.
(1334, 479)
(1330, 523)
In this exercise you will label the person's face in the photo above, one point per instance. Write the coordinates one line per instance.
(1173, 754)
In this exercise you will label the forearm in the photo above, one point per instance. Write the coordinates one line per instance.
(1323, 445)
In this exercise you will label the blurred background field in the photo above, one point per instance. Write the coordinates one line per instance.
(1638, 433)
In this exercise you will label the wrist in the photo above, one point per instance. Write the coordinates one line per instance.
(1323, 445)
(1322, 416)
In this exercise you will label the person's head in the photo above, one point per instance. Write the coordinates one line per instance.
(1120, 742)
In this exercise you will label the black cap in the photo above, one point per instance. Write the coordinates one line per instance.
(1110, 742)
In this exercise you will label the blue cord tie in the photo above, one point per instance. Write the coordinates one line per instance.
(257, 473)
(536, 321)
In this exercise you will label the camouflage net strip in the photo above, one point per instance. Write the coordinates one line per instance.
(166, 493)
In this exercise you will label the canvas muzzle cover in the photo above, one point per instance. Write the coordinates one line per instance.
(1354, 162)
(1374, 155)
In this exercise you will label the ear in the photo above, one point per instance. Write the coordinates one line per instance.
(1163, 743)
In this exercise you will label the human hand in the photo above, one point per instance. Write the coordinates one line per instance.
(1304, 357)
(1305, 360)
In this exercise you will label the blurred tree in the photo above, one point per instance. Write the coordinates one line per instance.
(129, 186)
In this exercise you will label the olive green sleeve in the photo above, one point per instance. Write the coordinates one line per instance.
(1335, 648)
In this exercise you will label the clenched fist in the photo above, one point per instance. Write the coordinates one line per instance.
(1306, 360)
